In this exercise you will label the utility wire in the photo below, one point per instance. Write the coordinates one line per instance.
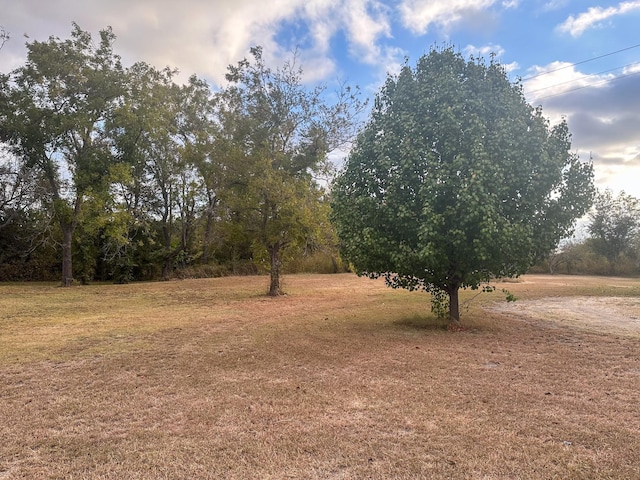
(581, 78)
(602, 82)
(581, 62)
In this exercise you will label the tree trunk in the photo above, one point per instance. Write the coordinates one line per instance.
(276, 266)
(454, 307)
(208, 229)
(334, 263)
(206, 243)
(67, 259)
(167, 261)
(167, 268)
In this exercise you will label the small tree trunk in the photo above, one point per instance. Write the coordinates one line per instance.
(206, 243)
(454, 307)
(67, 259)
(167, 262)
(208, 229)
(276, 266)
(167, 268)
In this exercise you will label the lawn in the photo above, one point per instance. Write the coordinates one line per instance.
(342, 378)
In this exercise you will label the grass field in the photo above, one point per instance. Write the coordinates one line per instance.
(340, 379)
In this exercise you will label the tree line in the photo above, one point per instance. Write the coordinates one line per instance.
(611, 245)
(114, 173)
(120, 173)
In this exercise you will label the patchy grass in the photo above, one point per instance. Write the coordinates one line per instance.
(342, 378)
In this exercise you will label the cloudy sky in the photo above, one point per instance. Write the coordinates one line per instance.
(578, 58)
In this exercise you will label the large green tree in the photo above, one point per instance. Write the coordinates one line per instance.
(58, 105)
(456, 180)
(615, 226)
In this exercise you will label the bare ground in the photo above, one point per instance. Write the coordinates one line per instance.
(341, 379)
(609, 315)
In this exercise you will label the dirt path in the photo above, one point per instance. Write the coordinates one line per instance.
(612, 314)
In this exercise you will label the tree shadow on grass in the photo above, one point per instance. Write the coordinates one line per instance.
(421, 322)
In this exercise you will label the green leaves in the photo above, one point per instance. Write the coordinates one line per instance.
(60, 101)
(456, 179)
(615, 225)
(283, 131)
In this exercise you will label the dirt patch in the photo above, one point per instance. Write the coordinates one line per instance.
(619, 315)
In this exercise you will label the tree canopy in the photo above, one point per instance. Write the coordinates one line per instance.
(615, 225)
(59, 102)
(456, 180)
(126, 174)
(285, 131)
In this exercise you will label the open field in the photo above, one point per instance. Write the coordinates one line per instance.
(341, 379)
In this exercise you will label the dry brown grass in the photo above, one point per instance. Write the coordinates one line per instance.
(343, 378)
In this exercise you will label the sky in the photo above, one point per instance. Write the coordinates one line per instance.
(578, 59)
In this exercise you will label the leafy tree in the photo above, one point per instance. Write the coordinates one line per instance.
(284, 131)
(456, 180)
(563, 256)
(205, 157)
(25, 222)
(146, 136)
(59, 103)
(17, 187)
(615, 226)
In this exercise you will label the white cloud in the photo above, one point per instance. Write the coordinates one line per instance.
(577, 25)
(419, 15)
(511, 67)
(603, 114)
(558, 78)
(633, 68)
(205, 37)
(618, 172)
(486, 51)
(554, 5)
(366, 21)
(483, 51)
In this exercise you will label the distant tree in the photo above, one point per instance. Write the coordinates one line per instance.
(4, 37)
(59, 102)
(284, 131)
(156, 189)
(25, 220)
(16, 182)
(615, 226)
(566, 257)
(206, 158)
(456, 180)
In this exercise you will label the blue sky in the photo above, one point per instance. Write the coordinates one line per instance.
(360, 41)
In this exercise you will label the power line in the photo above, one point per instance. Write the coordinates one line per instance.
(581, 62)
(576, 79)
(602, 82)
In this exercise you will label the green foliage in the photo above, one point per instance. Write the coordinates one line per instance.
(60, 101)
(615, 226)
(284, 131)
(509, 297)
(148, 178)
(456, 180)
(584, 258)
(162, 134)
